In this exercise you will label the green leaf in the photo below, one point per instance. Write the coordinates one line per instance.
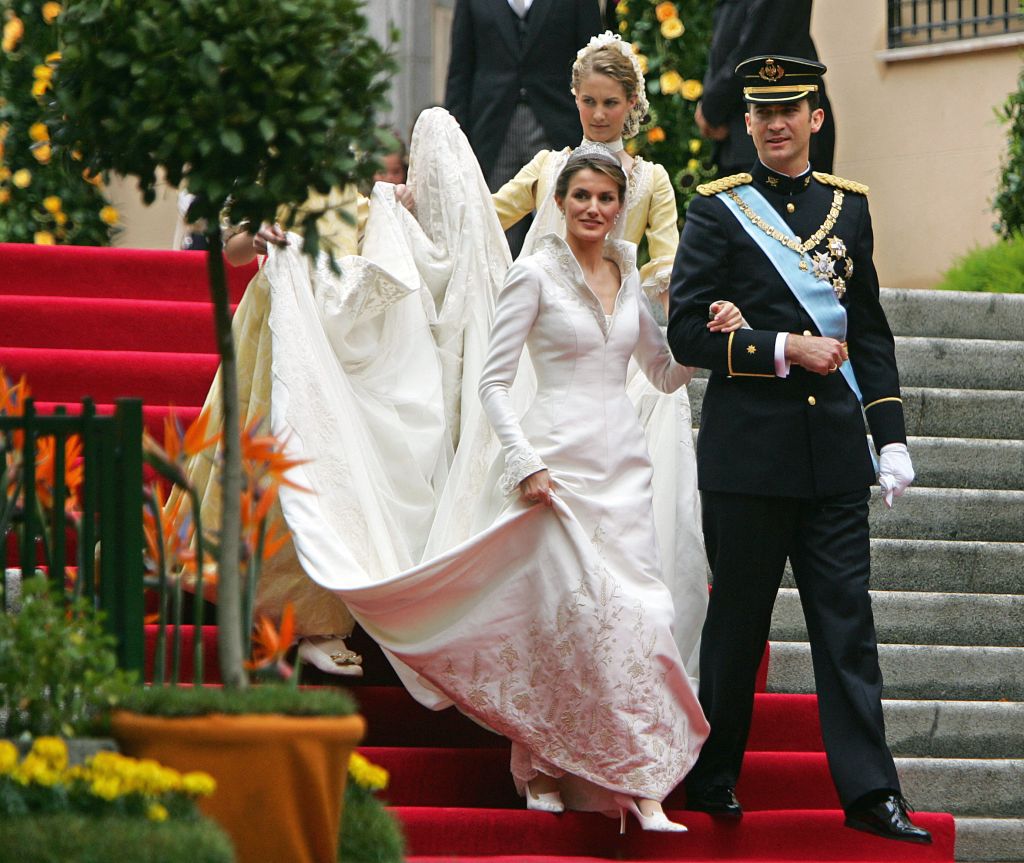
(232, 141)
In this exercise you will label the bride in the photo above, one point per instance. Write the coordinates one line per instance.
(566, 649)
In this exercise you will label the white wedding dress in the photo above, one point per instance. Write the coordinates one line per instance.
(551, 626)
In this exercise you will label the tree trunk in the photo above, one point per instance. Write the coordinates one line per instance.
(229, 595)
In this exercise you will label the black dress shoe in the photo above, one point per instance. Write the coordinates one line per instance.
(887, 818)
(715, 800)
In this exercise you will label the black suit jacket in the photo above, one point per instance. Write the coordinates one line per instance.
(492, 67)
(748, 28)
(801, 436)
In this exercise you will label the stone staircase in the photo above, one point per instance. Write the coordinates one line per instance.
(948, 570)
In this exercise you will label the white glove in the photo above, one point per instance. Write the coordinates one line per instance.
(895, 472)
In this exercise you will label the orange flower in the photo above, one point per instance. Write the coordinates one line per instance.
(263, 458)
(12, 396)
(14, 29)
(269, 646)
(656, 135)
(46, 450)
(664, 11)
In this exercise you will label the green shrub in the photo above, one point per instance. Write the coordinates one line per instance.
(265, 698)
(369, 833)
(81, 839)
(995, 269)
(1009, 200)
(58, 668)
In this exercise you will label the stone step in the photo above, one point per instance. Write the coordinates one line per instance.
(922, 618)
(937, 412)
(960, 363)
(916, 671)
(945, 566)
(955, 729)
(967, 463)
(991, 515)
(986, 787)
(989, 840)
(954, 314)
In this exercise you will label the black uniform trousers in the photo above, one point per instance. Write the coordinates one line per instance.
(748, 540)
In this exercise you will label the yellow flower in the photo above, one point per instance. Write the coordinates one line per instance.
(368, 775)
(198, 784)
(60, 218)
(641, 60)
(5, 196)
(52, 57)
(632, 147)
(109, 215)
(656, 135)
(8, 753)
(5, 172)
(91, 178)
(664, 11)
(52, 204)
(622, 7)
(623, 26)
(105, 787)
(50, 11)
(671, 82)
(692, 89)
(14, 29)
(42, 72)
(695, 145)
(39, 132)
(672, 28)
(22, 178)
(43, 238)
(39, 87)
(52, 750)
(157, 812)
(43, 153)
(693, 166)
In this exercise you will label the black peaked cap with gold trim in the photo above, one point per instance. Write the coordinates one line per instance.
(770, 78)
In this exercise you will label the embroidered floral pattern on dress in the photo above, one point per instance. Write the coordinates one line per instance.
(521, 461)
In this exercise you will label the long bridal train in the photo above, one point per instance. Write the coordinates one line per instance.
(523, 617)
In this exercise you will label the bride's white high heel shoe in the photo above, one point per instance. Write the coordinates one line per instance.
(546, 801)
(657, 822)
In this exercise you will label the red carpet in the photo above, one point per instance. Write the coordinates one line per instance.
(110, 323)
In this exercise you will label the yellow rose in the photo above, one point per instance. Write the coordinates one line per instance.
(60, 218)
(22, 178)
(623, 26)
(109, 215)
(671, 82)
(664, 11)
(5, 173)
(692, 89)
(42, 152)
(656, 135)
(693, 166)
(672, 28)
(39, 87)
(622, 7)
(42, 72)
(695, 145)
(632, 147)
(52, 204)
(50, 11)
(43, 238)
(5, 198)
(14, 29)
(39, 132)
(52, 57)
(641, 60)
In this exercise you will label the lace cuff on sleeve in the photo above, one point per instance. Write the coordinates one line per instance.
(520, 462)
(654, 278)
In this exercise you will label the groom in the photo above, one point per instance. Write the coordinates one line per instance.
(783, 464)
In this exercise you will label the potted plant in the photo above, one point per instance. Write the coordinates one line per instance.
(253, 105)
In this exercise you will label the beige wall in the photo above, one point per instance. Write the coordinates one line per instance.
(921, 133)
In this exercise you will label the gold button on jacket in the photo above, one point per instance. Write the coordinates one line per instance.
(812, 401)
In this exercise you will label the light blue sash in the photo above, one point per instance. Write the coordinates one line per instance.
(816, 296)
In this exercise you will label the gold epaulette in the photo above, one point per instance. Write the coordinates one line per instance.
(724, 184)
(840, 183)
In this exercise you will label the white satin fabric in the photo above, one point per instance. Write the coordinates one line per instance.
(552, 626)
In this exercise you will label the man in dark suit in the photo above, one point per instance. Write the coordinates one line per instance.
(783, 463)
(747, 28)
(509, 78)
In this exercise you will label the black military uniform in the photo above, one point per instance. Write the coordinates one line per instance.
(784, 466)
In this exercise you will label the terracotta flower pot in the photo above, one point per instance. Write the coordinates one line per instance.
(280, 779)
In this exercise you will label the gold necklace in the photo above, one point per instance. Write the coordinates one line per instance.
(794, 243)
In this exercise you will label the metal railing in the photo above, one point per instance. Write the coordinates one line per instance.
(926, 22)
(107, 517)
